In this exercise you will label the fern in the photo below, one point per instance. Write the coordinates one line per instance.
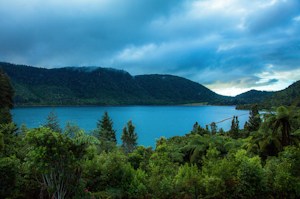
(81, 138)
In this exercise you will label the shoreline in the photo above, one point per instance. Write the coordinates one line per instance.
(25, 106)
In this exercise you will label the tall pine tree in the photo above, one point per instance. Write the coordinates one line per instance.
(234, 130)
(53, 122)
(105, 129)
(213, 128)
(129, 138)
(254, 121)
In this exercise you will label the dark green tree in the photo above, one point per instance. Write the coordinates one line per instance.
(200, 144)
(254, 121)
(53, 122)
(56, 160)
(129, 138)
(1, 143)
(6, 98)
(197, 129)
(280, 120)
(234, 130)
(71, 128)
(6, 91)
(9, 142)
(268, 143)
(105, 129)
(9, 159)
(221, 132)
(213, 128)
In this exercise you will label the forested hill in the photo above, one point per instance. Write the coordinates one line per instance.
(253, 96)
(101, 86)
(107, 86)
(285, 97)
(176, 90)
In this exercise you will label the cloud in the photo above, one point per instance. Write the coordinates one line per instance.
(218, 43)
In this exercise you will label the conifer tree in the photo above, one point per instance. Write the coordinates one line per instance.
(254, 121)
(105, 129)
(129, 138)
(213, 128)
(221, 132)
(53, 122)
(195, 126)
(234, 130)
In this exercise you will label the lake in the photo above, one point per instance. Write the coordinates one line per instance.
(150, 121)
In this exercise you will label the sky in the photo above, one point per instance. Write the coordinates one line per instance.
(229, 46)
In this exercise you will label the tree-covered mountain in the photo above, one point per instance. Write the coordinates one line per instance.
(101, 86)
(73, 86)
(252, 97)
(175, 90)
(284, 97)
(107, 86)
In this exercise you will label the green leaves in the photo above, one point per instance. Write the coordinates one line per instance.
(8, 175)
(199, 146)
(129, 138)
(81, 138)
(56, 158)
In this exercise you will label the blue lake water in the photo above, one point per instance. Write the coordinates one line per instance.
(150, 121)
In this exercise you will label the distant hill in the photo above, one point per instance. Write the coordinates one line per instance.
(101, 86)
(107, 86)
(175, 90)
(285, 97)
(267, 100)
(252, 97)
(255, 96)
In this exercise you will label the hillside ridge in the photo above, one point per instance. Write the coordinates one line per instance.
(108, 86)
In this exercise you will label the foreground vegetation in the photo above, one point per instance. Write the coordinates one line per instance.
(260, 161)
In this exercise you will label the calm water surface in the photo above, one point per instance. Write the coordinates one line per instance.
(150, 121)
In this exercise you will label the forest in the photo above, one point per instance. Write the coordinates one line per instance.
(260, 160)
(96, 86)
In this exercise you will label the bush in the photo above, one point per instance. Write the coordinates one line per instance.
(8, 175)
(282, 174)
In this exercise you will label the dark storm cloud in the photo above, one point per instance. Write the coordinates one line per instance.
(234, 43)
(40, 31)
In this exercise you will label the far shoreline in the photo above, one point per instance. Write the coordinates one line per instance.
(192, 104)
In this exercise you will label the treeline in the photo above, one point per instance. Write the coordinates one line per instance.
(260, 161)
(285, 98)
(103, 86)
(100, 86)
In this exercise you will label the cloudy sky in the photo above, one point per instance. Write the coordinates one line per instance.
(229, 46)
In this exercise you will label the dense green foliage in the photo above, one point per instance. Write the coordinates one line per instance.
(55, 159)
(106, 86)
(260, 161)
(205, 163)
(6, 98)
